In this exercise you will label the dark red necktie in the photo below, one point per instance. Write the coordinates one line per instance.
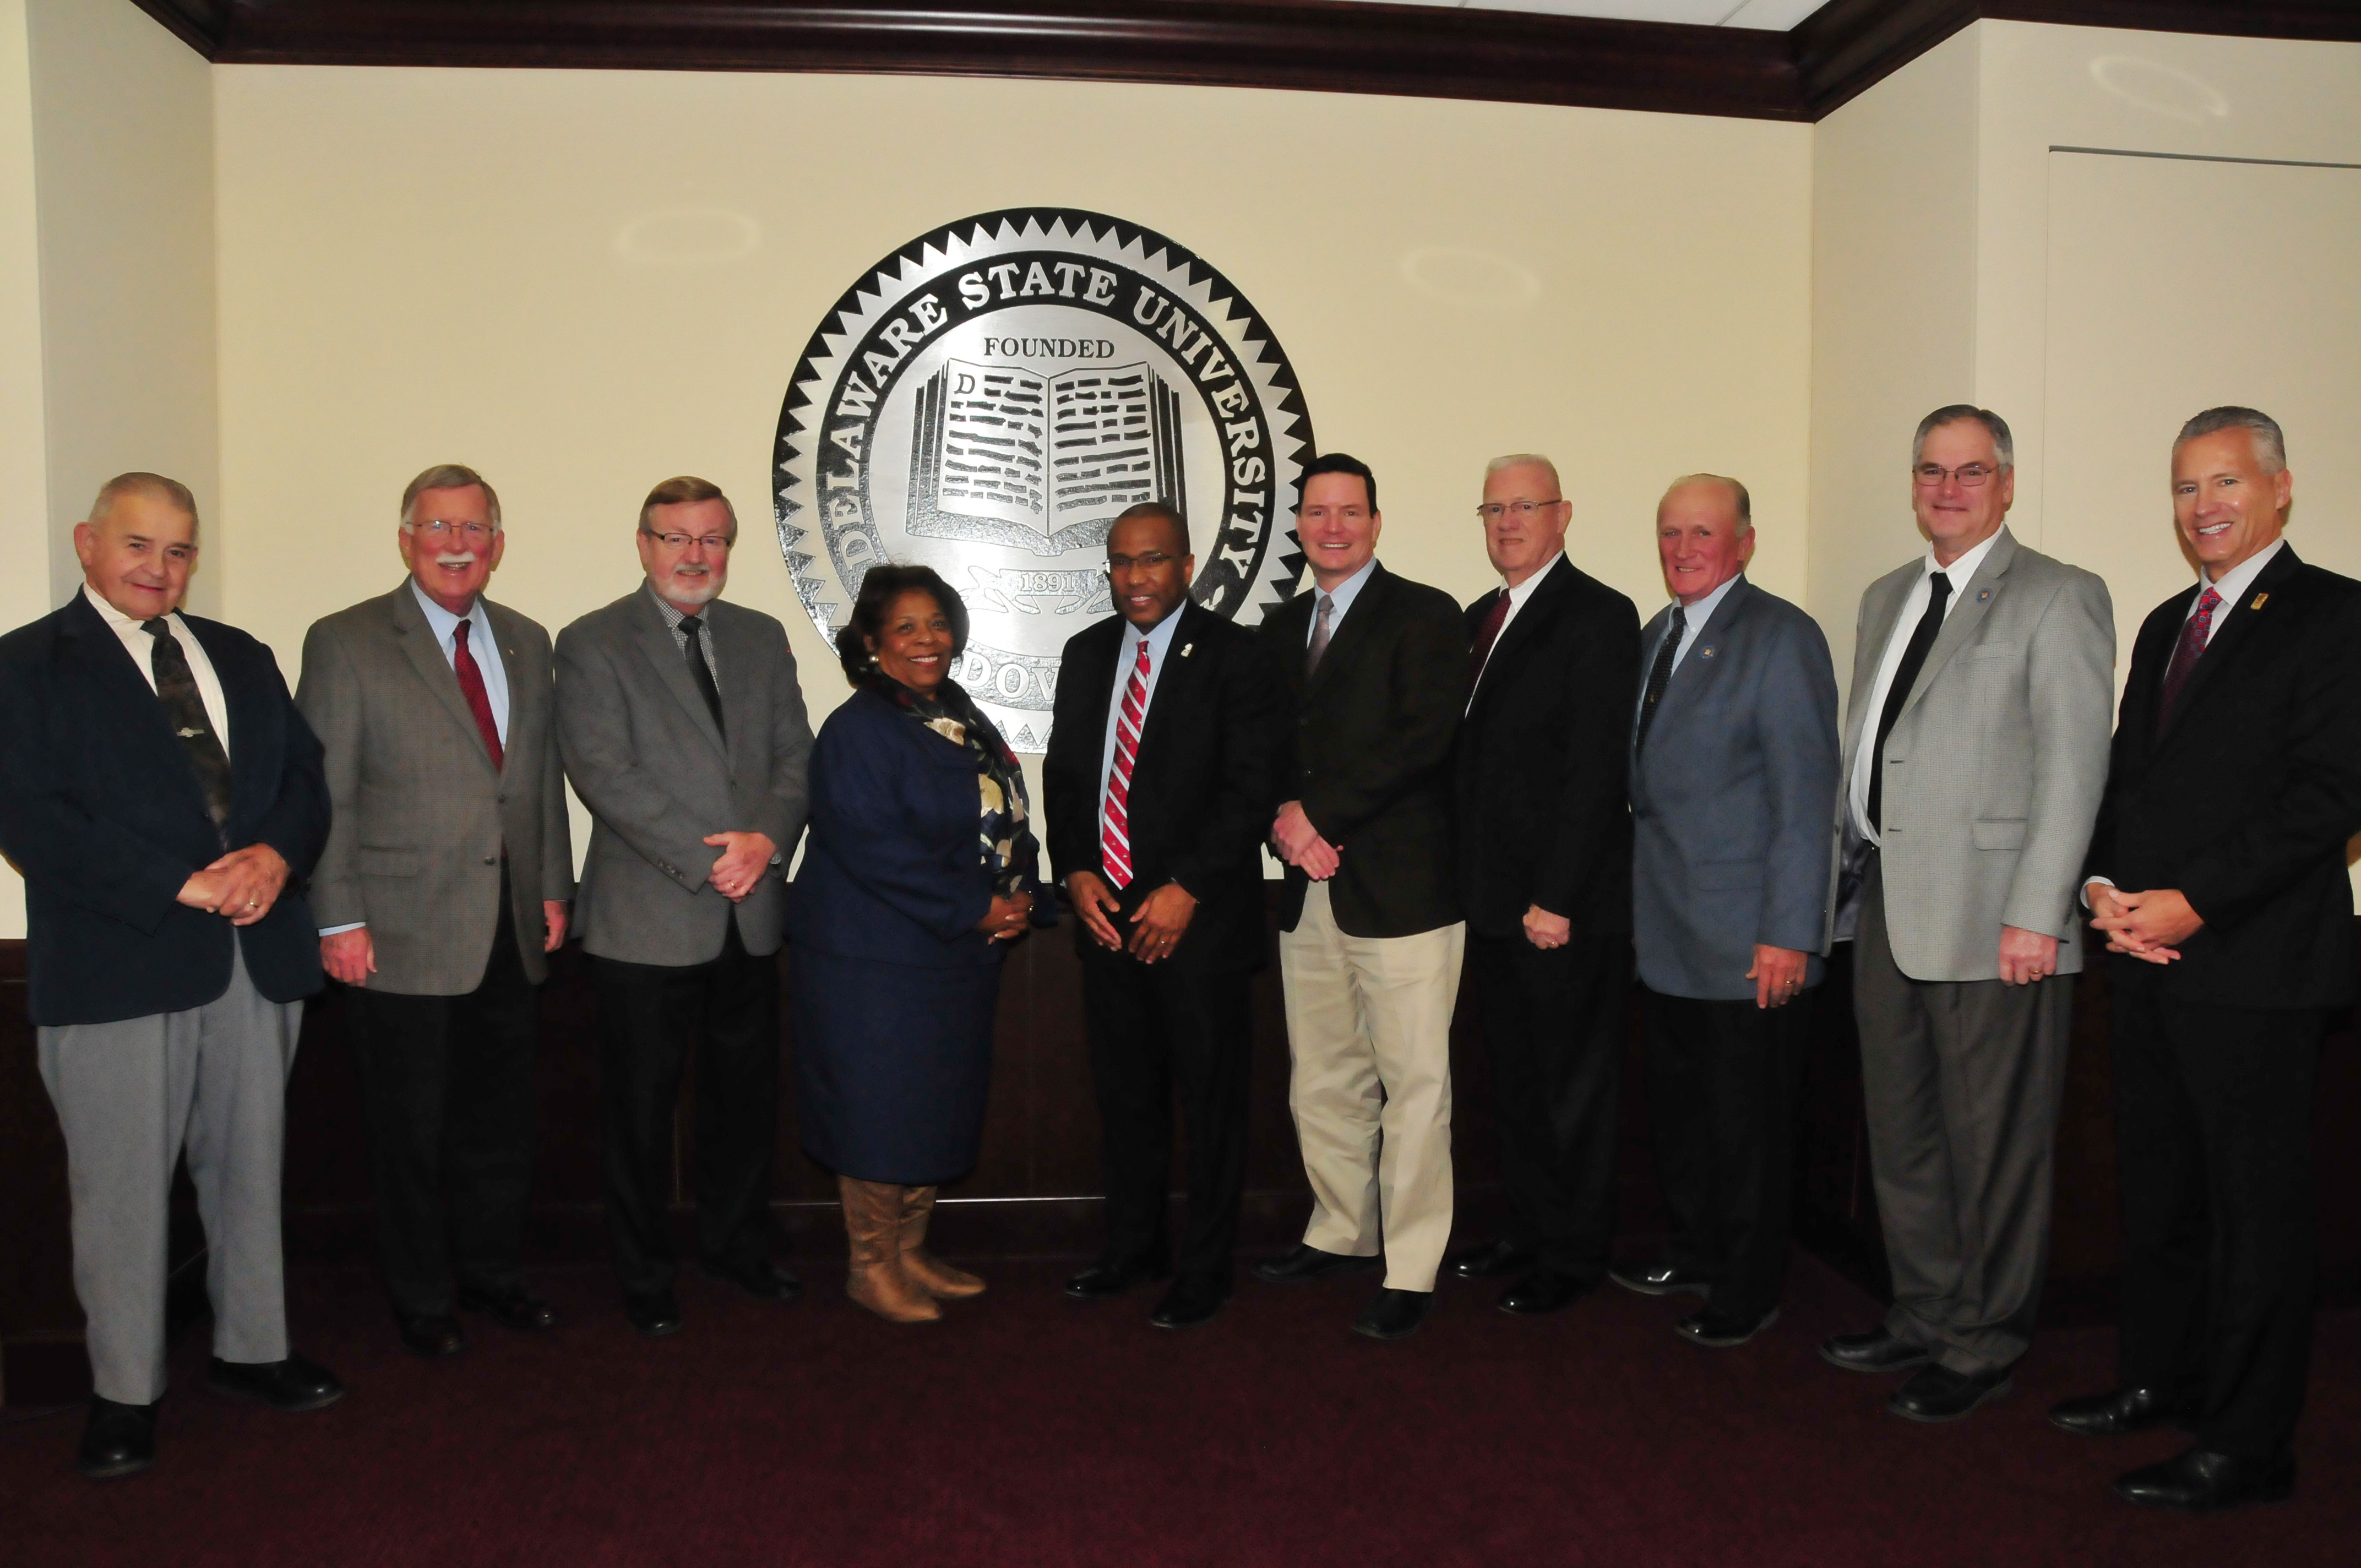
(1485, 635)
(471, 686)
(2193, 634)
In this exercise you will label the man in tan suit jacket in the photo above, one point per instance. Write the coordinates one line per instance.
(1975, 755)
(444, 883)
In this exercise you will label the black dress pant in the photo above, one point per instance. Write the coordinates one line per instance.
(1722, 1079)
(447, 1095)
(1555, 1026)
(1155, 1027)
(650, 1017)
(2214, 1143)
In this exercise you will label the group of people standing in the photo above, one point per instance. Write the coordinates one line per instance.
(1536, 788)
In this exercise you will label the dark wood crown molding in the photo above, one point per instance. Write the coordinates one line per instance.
(1840, 51)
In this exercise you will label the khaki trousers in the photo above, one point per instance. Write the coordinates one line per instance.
(1368, 1037)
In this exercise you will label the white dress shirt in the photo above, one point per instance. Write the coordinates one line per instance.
(1898, 642)
(1517, 597)
(142, 648)
(1158, 639)
(487, 652)
(1341, 599)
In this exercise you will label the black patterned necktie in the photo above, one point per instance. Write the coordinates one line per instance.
(184, 706)
(1905, 675)
(1660, 675)
(700, 672)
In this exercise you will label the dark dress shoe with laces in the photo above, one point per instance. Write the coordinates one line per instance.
(1192, 1303)
(1661, 1279)
(652, 1317)
(2123, 1412)
(1879, 1350)
(430, 1334)
(1493, 1260)
(294, 1384)
(119, 1441)
(1395, 1314)
(1543, 1290)
(520, 1308)
(765, 1279)
(1718, 1331)
(2200, 1482)
(1309, 1263)
(1936, 1393)
(1102, 1282)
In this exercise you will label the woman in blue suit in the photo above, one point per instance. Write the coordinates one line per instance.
(921, 867)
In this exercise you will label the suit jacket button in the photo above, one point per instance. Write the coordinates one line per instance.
(492, 859)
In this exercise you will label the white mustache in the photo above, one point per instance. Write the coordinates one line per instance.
(466, 559)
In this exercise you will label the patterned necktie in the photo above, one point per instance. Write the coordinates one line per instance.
(176, 688)
(1115, 822)
(2193, 635)
(479, 701)
(1905, 675)
(1319, 637)
(1660, 675)
(702, 672)
(1485, 635)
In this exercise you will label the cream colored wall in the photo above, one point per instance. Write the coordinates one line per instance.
(24, 511)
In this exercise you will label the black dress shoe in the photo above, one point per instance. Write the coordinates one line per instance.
(765, 1279)
(1101, 1281)
(520, 1308)
(1717, 1331)
(119, 1441)
(433, 1335)
(1493, 1260)
(2200, 1482)
(1543, 1290)
(1879, 1350)
(1311, 1263)
(1192, 1301)
(294, 1384)
(1936, 1393)
(654, 1317)
(1662, 1279)
(1395, 1314)
(2125, 1412)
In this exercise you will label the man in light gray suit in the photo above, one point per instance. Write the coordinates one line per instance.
(443, 889)
(1733, 781)
(1975, 757)
(683, 728)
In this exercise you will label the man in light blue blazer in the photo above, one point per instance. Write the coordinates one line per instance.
(1734, 771)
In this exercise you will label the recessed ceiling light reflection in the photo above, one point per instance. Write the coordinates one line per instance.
(2160, 89)
(1479, 279)
(689, 236)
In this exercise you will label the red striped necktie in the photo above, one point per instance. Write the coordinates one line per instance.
(2194, 634)
(1115, 822)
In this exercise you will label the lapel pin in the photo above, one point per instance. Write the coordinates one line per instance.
(1983, 596)
(1187, 649)
(2258, 602)
(1705, 652)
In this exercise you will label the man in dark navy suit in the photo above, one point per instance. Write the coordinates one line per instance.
(164, 801)
(2217, 874)
(1159, 791)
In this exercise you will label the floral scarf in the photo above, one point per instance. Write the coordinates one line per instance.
(1007, 842)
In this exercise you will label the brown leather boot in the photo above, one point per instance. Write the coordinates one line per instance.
(873, 1224)
(932, 1274)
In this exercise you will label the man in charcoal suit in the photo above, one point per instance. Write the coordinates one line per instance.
(1545, 871)
(1734, 771)
(162, 798)
(442, 891)
(2217, 875)
(1158, 795)
(1975, 754)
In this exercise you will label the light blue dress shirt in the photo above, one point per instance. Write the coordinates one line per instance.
(480, 644)
(1694, 618)
(1343, 595)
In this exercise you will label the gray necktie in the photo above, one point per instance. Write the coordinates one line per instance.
(1319, 636)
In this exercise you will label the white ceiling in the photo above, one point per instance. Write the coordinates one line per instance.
(1770, 16)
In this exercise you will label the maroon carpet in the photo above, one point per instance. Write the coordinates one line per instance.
(1026, 1428)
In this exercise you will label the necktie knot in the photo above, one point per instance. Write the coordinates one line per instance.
(159, 627)
(691, 624)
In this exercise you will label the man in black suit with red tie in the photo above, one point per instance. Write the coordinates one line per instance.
(1159, 791)
(2217, 873)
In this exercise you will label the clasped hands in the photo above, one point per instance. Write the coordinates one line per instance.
(1008, 917)
(2149, 926)
(745, 857)
(1158, 924)
(241, 886)
(1301, 845)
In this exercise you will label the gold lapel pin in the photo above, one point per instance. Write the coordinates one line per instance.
(2259, 599)
(1983, 596)
(1187, 649)
(1705, 652)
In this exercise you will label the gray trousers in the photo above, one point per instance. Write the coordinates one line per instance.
(1963, 1081)
(130, 1096)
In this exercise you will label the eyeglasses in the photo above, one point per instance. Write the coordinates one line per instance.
(714, 543)
(439, 529)
(1154, 561)
(1970, 475)
(1492, 511)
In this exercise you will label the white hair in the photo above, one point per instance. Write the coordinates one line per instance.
(1524, 460)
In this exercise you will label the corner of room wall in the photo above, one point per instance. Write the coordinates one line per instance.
(24, 501)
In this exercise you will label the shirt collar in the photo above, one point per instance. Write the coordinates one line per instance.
(441, 620)
(1962, 571)
(1524, 590)
(1345, 592)
(2234, 582)
(1695, 616)
(1159, 637)
(116, 619)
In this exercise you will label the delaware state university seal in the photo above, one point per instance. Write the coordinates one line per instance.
(994, 393)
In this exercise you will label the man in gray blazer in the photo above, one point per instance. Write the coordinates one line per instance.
(443, 889)
(1733, 783)
(683, 728)
(1975, 757)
